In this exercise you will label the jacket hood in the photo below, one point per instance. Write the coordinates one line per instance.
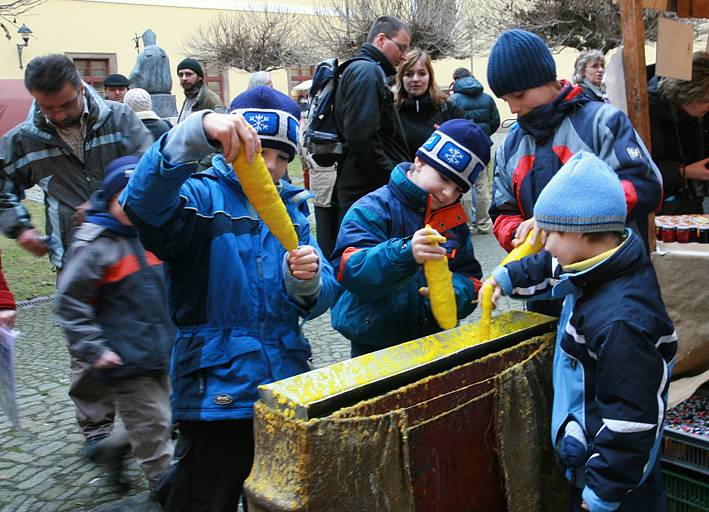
(470, 86)
(543, 120)
(371, 52)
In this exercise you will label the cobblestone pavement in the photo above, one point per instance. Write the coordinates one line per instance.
(41, 469)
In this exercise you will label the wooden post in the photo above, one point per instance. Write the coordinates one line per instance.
(631, 18)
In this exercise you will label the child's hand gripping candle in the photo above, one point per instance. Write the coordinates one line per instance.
(259, 188)
(440, 286)
(524, 249)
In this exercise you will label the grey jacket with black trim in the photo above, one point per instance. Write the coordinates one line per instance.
(33, 153)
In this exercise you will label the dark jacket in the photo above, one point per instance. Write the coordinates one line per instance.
(111, 295)
(33, 153)
(419, 117)
(153, 123)
(548, 137)
(615, 349)
(206, 100)
(369, 123)
(477, 106)
(677, 139)
(381, 305)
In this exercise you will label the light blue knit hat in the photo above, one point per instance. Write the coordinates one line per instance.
(584, 196)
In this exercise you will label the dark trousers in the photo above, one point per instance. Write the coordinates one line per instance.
(327, 224)
(648, 497)
(212, 460)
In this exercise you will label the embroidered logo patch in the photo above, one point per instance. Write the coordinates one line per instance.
(454, 156)
(293, 130)
(265, 123)
(223, 399)
(634, 153)
(431, 142)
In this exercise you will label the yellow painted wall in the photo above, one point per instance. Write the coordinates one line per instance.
(84, 26)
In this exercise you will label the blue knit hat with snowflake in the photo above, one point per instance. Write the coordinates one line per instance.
(584, 196)
(458, 149)
(274, 116)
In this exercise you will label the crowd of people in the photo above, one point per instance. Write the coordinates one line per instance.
(142, 216)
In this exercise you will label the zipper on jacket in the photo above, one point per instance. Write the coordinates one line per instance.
(201, 382)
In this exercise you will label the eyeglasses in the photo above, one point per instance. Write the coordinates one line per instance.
(64, 106)
(402, 47)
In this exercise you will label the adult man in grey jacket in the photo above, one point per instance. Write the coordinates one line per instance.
(64, 145)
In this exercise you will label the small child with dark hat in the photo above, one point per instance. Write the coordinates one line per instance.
(383, 242)
(615, 342)
(238, 297)
(112, 303)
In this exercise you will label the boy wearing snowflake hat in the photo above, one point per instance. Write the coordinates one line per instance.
(237, 296)
(383, 242)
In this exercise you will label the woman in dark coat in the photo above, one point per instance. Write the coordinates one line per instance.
(679, 126)
(421, 104)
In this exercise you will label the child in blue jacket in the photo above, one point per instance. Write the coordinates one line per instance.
(615, 342)
(237, 296)
(383, 242)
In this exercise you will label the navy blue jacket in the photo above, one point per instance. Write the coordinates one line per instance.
(237, 308)
(477, 106)
(615, 350)
(381, 304)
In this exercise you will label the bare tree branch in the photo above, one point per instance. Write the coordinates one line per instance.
(437, 26)
(18, 7)
(261, 39)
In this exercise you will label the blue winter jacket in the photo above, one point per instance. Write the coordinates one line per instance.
(235, 304)
(548, 137)
(479, 107)
(381, 304)
(615, 350)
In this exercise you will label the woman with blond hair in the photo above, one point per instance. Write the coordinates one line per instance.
(679, 126)
(421, 104)
(589, 69)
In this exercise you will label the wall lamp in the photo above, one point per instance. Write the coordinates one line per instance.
(25, 34)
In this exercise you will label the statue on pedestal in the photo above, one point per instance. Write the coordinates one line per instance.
(152, 73)
(152, 70)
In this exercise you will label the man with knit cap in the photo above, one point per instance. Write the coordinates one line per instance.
(197, 95)
(365, 114)
(141, 103)
(556, 121)
(383, 242)
(238, 298)
(615, 342)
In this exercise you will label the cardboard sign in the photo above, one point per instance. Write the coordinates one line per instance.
(674, 49)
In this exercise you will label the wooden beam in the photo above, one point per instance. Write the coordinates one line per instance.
(631, 15)
(631, 18)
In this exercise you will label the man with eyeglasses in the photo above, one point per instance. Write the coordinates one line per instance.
(366, 116)
(64, 145)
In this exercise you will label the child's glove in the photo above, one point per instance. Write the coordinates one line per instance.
(573, 449)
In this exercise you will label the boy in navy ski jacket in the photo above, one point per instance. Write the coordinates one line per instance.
(383, 242)
(237, 296)
(615, 343)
